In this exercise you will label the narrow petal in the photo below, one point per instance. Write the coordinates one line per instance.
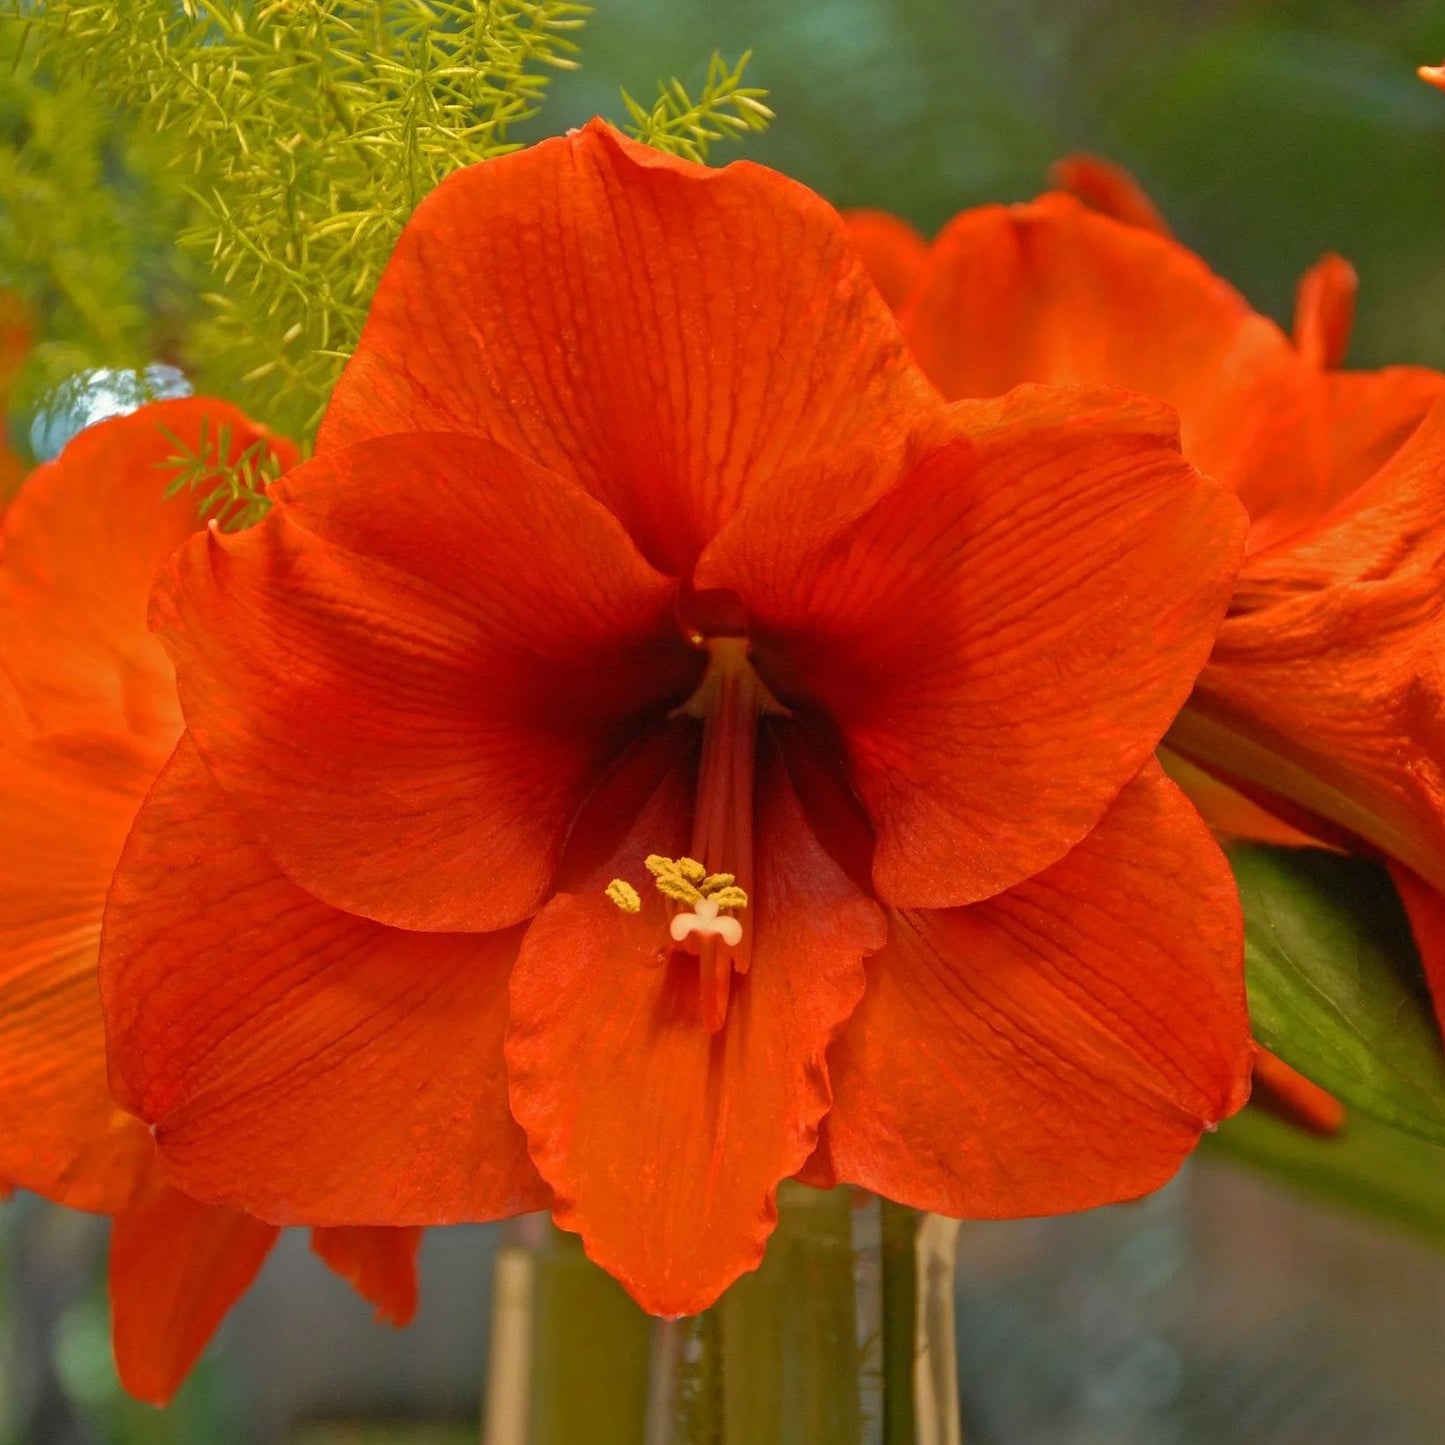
(66, 804)
(1003, 637)
(1327, 687)
(1109, 189)
(1061, 1046)
(892, 250)
(662, 333)
(1425, 907)
(1369, 416)
(1230, 814)
(81, 547)
(297, 1062)
(664, 1142)
(1288, 1095)
(379, 1264)
(1325, 312)
(1054, 292)
(176, 1268)
(408, 676)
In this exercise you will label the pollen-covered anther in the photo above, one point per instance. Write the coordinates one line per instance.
(624, 895)
(705, 895)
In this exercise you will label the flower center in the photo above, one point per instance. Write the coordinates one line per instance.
(716, 880)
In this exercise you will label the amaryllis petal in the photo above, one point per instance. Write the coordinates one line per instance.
(1054, 292)
(298, 1062)
(409, 674)
(663, 1141)
(1325, 311)
(663, 333)
(1327, 686)
(892, 250)
(1060, 1046)
(1286, 1093)
(1230, 814)
(1368, 416)
(82, 543)
(1425, 907)
(66, 803)
(1109, 189)
(379, 1264)
(176, 1268)
(1003, 637)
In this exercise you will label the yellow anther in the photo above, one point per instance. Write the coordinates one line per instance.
(685, 880)
(624, 895)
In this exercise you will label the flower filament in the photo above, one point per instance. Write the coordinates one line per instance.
(714, 880)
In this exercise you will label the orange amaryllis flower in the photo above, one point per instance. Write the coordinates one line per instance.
(656, 747)
(87, 719)
(1323, 697)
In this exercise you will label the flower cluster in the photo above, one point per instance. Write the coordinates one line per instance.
(688, 727)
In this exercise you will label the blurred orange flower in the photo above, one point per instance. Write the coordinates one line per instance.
(656, 748)
(88, 715)
(1324, 698)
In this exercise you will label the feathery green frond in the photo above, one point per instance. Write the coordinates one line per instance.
(724, 110)
(307, 131)
(234, 490)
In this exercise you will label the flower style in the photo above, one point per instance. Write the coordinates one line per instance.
(656, 748)
(88, 716)
(1324, 697)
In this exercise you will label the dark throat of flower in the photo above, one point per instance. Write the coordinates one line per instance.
(715, 883)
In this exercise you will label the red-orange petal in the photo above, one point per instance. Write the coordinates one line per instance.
(408, 676)
(1327, 687)
(1368, 417)
(892, 250)
(66, 804)
(664, 1142)
(379, 1264)
(1432, 75)
(82, 544)
(1109, 189)
(1060, 1046)
(176, 1268)
(666, 334)
(1325, 311)
(1425, 907)
(1002, 638)
(298, 1062)
(1286, 1093)
(1230, 814)
(1055, 292)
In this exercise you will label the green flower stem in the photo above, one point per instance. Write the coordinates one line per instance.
(570, 1350)
(843, 1336)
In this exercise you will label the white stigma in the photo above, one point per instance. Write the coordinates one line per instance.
(704, 920)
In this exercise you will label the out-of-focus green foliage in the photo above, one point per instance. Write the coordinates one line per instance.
(87, 225)
(1335, 984)
(1268, 131)
(1368, 1168)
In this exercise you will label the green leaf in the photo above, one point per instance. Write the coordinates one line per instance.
(1335, 985)
(1370, 1168)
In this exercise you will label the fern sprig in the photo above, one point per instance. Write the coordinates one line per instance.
(724, 109)
(234, 485)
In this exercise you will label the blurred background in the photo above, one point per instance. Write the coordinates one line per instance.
(1229, 1306)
